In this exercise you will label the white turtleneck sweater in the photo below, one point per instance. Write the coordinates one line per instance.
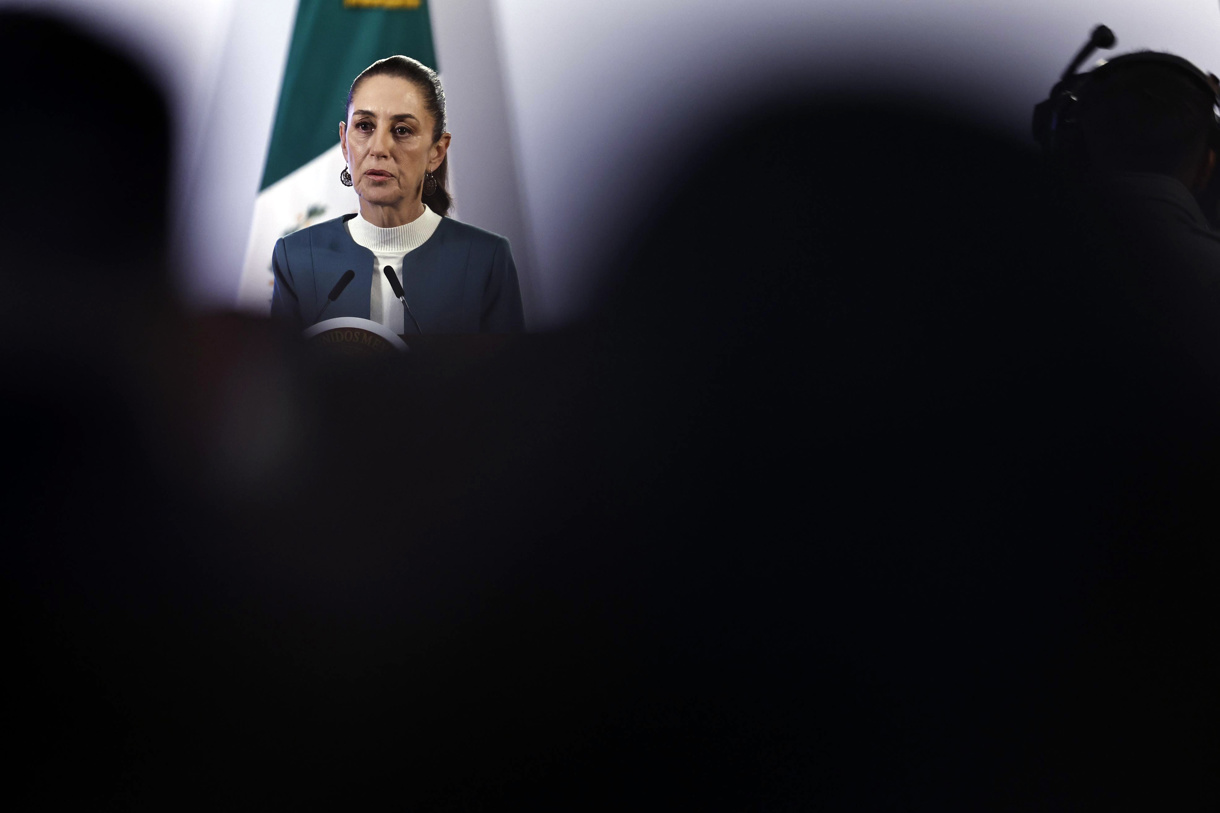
(389, 246)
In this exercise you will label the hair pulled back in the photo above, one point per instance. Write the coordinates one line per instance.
(429, 85)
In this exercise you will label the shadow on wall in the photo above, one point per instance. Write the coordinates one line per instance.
(869, 502)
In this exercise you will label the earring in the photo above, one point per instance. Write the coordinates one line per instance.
(429, 185)
(345, 177)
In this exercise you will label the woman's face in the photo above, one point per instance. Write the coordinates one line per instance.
(387, 142)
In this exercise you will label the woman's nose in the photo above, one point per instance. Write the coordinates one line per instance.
(380, 144)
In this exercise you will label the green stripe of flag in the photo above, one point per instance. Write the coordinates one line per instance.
(331, 44)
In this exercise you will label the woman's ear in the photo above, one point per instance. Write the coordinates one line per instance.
(343, 138)
(439, 150)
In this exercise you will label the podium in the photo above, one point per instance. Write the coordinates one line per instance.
(351, 335)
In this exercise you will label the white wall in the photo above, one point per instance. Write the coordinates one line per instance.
(485, 172)
(218, 181)
(566, 112)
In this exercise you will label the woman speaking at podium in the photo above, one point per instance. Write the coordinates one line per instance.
(448, 277)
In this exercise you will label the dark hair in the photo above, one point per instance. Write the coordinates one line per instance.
(1147, 112)
(429, 84)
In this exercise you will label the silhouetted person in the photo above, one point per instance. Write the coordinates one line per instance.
(106, 394)
(1137, 152)
(1140, 148)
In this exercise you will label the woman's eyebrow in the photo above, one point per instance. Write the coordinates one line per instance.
(395, 117)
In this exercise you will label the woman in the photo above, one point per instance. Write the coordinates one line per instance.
(456, 278)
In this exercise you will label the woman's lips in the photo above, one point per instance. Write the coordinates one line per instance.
(377, 175)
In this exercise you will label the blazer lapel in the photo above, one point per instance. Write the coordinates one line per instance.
(334, 252)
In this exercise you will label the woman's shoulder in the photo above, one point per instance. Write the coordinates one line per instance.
(457, 230)
(326, 231)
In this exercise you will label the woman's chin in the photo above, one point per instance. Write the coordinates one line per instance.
(382, 197)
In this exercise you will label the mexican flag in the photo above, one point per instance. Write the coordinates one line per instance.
(332, 41)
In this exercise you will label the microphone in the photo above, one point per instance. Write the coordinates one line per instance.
(396, 286)
(1048, 112)
(1102, 37)
(347, 277)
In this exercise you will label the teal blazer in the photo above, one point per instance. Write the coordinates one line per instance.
(461, 280)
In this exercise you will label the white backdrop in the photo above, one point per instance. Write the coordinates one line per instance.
(565, 111)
